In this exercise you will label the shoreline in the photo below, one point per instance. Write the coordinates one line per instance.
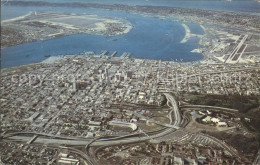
(244, 19)
(187, 33)
(203, 27)
(54, 57)
(57, 25)
(201, 49)
(57, 58)
(17, 18)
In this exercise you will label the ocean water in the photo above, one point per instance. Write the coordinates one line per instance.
(248, 6)
(222, 5)
(150, 38)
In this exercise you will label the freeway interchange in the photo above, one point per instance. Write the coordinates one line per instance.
(175, 122)
(103, 142)
(175, 109)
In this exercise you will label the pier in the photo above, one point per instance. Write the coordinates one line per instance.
(114, 54)
(126, 55)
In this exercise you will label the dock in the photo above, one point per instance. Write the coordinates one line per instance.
(114, 54)
(126, 55)
(104, 53)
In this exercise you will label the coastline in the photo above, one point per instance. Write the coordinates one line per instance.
(53, 59)
(46, 28)
(203, 27)
(187, 33)
(201, 58)
(17, 18)
(201, 49)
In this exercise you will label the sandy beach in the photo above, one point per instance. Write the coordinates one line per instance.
(17, 18)
(204, 29)
(187, 33)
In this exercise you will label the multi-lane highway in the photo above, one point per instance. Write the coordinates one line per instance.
(175, 122)
(257, 159)
(106, 142)
(175, 109)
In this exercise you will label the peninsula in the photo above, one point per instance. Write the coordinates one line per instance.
(46, 25)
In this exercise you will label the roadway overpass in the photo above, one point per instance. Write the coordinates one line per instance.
(175, 109)
(105, 142)
(102, 141)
